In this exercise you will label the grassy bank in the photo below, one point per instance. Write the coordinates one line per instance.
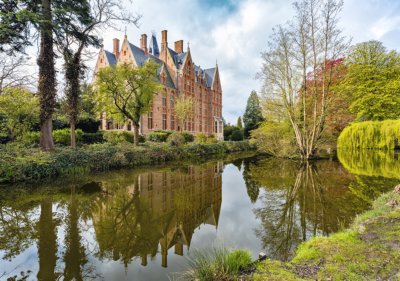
(368, 250)
(18, 163)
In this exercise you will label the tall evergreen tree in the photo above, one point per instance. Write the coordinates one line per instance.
(252, 116)
(239, 123)
(52, 19)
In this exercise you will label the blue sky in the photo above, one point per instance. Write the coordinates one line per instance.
(235, 32)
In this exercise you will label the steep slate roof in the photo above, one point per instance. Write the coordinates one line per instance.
(138, 54)
(153, 46)
(209, 76)
(112, 60)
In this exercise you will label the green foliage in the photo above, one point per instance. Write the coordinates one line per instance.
(239, 123)
(18, 163)
(61, 137)
(275, 138)
(90, 138)
(184, 109)
(372, 82)
(88, 124)
(237, 135)
(188, 137)
(371, 135)
(176, 139)
(253, 115)
(127, 90)
(217, 264)
(20, 110)
(115, 137)
(158, 136)
(201, 138)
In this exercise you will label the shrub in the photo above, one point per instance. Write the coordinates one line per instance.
(90, 138)
(187, 136)
(31, 138)
(211, 139)
(4, 138)
(158, 136)
(176, 139)
(88, 125)
(63, 137)
(118, 136)
(201, 138)
(237, 135)
(58, 124)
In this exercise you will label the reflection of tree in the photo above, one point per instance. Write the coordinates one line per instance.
(124, 227)
(253, 188)
(75, 256)
(299, 205)
(16, 225)
(47, 241)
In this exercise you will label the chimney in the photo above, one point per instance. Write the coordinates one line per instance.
(116, 47)
(164, 41)
(179, 46)
(143, 43)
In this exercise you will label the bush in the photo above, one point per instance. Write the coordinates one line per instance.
(4, 138)
(90, 138)
(118, 136)
(201, 138)
(187, 136)
(212, 139)
(88, 125)
(176, 139)
(237, 135)
(31, 139)
(158, 136)
(63, 137)
(58, 124)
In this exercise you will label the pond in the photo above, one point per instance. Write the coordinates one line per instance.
(145, 224)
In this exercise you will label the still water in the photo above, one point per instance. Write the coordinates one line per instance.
(145, 224)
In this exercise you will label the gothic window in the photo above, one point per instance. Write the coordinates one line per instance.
(172, 122)
(164, 100)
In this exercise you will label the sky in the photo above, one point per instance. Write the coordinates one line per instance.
(233, 33)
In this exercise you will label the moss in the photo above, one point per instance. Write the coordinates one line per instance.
(368, 250)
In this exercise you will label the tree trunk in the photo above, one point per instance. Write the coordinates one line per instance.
(46, 87)
(136, 134)
(73, 137)
(46, 137)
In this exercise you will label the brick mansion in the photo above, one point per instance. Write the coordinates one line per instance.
(179, 75)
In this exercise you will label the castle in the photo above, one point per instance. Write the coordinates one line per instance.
(179, 75)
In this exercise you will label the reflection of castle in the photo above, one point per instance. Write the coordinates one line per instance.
(169, 207)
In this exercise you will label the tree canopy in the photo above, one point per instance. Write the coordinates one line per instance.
(252, 116)
(127, 90)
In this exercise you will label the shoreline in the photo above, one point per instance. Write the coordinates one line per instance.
(368, 250)
(34, 165)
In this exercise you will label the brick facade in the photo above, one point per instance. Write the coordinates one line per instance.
(179, 75)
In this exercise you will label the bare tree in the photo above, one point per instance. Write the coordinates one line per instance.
(15, 72)
(73, 44)
(297, 68)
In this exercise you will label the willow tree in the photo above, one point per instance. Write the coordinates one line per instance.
(127, 90)
(296, 68)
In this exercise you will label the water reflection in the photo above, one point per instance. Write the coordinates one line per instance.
(142, 224)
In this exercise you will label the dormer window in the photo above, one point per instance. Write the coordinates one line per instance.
(124, 52)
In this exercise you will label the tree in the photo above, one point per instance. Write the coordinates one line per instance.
(299, 52)
(372, 83)
(252, 116)
(184, 110)
(48, 17)
(72, 44)
(239, 123)
(14, 72)
(20, 109)
(127, 90)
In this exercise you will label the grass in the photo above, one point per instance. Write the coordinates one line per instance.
(368, 250)
(18, 163)
(219, 263)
